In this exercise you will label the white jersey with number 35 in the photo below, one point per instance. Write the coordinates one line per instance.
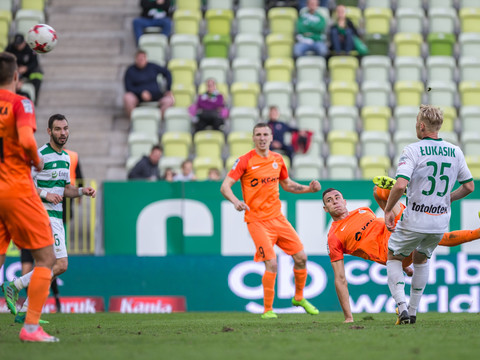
(432, 167)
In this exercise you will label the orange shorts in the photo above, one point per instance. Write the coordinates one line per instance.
(277, 231)
(25, 221)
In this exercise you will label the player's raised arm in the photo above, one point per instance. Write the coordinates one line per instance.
(226, 190)
(296, 188)
(341, 287)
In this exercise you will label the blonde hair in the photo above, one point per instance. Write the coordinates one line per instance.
(431, 116)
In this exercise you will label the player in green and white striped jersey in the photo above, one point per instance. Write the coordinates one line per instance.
(53, 183)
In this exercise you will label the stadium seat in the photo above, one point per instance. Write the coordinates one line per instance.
(310, 68)
(243, 119)
(414, 4)
(376, 93)
(409, 20)
(183, 71)
(29, 89)
(188, 4)
(239, 143)
(184, 46)
(214, 68)
(469, 68)
(372, 166)
(470, 118)
(250, 21)
(230, 161)
(402, 139)
(375, 143)
(409, 93)
(33, 5)
(377, 20)
(316, 143)
(342, 118)
(354, 14)
(279, 69)
(202, 165)
(469, 44)
(220, 4)
(450, 136)
(343, 93)
(469, 92)
(172, 162)
(405, 118)
(449, 118)
(343, 68)
(310, 94)
(5, 20)
(342, 167)
(377, 44)
(282, 20)
(307, 167)
(441, 68)
(376, 118)
(216, 46)
(342, 142)
(433, 4)
(278, 94)
(378, 4)
(249, 46)
(25, 19)
(6, 5)
(183, 94)
(468, 4)
(408, 44)
(440, 44)
(156, 46)
(176, 143)
(279, 45)
(209, 143)
(442, 20)
(246, 70)
(177, 119)
(219, 22)
(245, 94)
(442, 93)
(286, 114)
(376, 68)
(471, 143)
(408, 68)
(145, 119)
(473, 163)
(470, 19)
(140, 143)
(221, 88)
(251, 4)
(187, 21)
(347, 2)
(310, 118)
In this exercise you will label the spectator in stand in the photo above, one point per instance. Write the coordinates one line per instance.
(311, 27)
(154, 13)
(28, 67)
(214, 174)
(141, 84)
(342, 33)
(278, 130)
(209, 109)
(187, 172)
(303, 3)
(147, 167)
(169, 175)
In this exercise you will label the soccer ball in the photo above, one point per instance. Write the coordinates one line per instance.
(42, 38)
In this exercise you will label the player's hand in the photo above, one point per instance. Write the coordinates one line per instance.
(89, 191)
(390, 220)
(241, 206)
(54, 198)
(315, 186)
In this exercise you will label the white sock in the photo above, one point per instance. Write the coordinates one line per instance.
(419, 281)
(23, 281)
(396, 283)
(24, 306)
(30, 327)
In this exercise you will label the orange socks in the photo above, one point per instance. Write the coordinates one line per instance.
(458, 237)
(37, 293)
(300, 280)
(382, 193)
(268, 281)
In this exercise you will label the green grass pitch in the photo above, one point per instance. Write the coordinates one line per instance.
(246, 336)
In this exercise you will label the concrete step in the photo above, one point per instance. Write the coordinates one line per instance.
(68, 72)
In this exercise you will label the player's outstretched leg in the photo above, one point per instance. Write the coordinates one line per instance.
(37, 336)
(307, 305)
(11, 296)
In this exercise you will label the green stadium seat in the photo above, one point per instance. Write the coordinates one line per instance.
(376, 118)
(470, 93)
(203, 164)
(469, 44)
(286, 114)
(354, 14)
(372, 166)
(442, 93)
(278, 94)
(282, 20)
(156, 46)
(343, 93)
(441, 68)
(409, 20)
(376, 93)
(216, 46)
(375, 143)
(470, 19)
(405, 118)
(25, 19)
(386, 4)
(451, 137)
(219, 21)
(220, 4)
(376, 68)
(239, 143)
(214, 68)
(249, 46)
(469, 68)
(243, 119)
(177, 119)
(310, 118)
(6, 5)
(209, 143)
(184, 46)
(377, 20)
(442, 20)
(310, 94)
(250, 21)
(145, 119)
(5, 20)
(245, 94)
(408, 44)
(33, 5)
(246, 70)
(183, 94)
(342, 167)
(176, 143)
(377, 44)
(307, 167)
(140, 143)
(183, 71)
(449, 118)
(434, 4)
(409, 93)
(279, 69)
(408, 68)
(470, 118)
(188, 4)
(29, 89)
(413, 4)
(310, 68)
(342, 142)
(343, 118)
(251, 4)
(279, 45)
(473, 163)
(187, 21)
(468, 4)
(172, 162)
(441, 44)
(403, 138)
(343, 68)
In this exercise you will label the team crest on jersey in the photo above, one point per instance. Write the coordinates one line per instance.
(275, 165)
(54, 174)
(27, 106)
(235, 164)
(361, 211)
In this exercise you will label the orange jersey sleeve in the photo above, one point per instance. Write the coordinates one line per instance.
(335, 246)
(259, 178)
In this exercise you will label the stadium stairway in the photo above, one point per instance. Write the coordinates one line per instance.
(84, 81)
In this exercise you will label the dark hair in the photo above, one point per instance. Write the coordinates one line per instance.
(260, 125)
(157, 147)
(54, 118)
(8, 66)
(326, 192)
(140, 51)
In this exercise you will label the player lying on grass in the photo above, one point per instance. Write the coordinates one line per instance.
(360, 233)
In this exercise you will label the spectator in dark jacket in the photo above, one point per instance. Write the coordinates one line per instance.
(342, 33)
(210, 108)
(141, 84)
(154, 13)
(278, 130)
(147, 167)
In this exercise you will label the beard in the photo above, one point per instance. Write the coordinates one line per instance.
(60, 141)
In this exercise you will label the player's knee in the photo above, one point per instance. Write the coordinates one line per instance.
(300, 260)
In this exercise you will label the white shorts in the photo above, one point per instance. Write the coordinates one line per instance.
(58, 231)
(403, 242)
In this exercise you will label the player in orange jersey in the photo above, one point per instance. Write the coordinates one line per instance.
(360, 233)
(22, 215)
(260, 172)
